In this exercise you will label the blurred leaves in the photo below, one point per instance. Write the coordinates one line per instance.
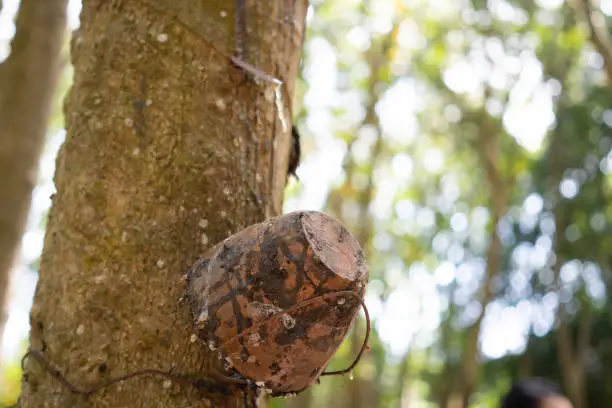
(527, 69)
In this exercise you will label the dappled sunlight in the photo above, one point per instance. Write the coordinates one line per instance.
(509, 337)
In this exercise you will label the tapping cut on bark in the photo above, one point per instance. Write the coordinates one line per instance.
(277, 299)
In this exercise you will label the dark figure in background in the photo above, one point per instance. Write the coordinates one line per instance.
(535, 393)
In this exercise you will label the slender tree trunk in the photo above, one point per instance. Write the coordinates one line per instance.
(377, 57)
(169, 148)
(487, 147)
(571, 356)
(571, 352)
(27, 83)
(525, 368)
(470, 367)
(404, 379)
(358, 387)
(598, 33)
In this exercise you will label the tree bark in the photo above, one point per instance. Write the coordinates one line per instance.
(570, 352)
(377, 57)
(571, 355)
(357, 387)
(170, 148)
(27, 83)
(487, 147)
(470, 367)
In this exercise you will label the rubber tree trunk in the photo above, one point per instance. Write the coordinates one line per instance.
(27, 83)
(170, 148)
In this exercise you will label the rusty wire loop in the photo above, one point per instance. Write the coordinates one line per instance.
(307, 302)
(197, 382)
(364, 346)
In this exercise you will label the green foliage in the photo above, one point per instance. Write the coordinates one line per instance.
(475, 70)
(10, 384)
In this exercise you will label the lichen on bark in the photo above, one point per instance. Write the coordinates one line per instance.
(169, 148)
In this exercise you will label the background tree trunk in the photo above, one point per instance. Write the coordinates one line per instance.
(169, 148)
(358, 389)
(488, 149)
(27, 83)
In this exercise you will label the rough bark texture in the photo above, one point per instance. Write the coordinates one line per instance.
(169, 148)
(27, 82)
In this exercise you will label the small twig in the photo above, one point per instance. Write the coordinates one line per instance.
(364, 346)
